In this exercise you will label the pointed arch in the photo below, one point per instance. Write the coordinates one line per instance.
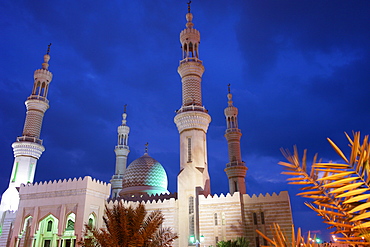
(185, 50)
(70, 222)
(92, 220)
(25, 234)
(47, 230)
(191, 50)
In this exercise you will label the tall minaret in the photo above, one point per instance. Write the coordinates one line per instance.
(28, 147)
(192, 122)
(235, 169)
(122, 150)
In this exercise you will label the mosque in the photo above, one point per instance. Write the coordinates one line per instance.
(53, 213)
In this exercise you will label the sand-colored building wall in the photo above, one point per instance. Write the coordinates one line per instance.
(226, 217)
(262, 211)
(82, 197)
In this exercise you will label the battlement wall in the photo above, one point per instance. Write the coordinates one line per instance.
(63, 188)
(282, 196)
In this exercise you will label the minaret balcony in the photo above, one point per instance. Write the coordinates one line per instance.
(38, 97)
(192, 108)
(235, 163)
(230, 130)
(29, 139)
(191, 59)
(122, 147)
(117, 176)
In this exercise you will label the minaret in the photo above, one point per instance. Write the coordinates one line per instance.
(192, 122)
(122, 150)
(235, 169)
(28, 147)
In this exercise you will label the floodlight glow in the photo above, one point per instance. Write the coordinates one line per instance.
(192, 238)
(201, 238)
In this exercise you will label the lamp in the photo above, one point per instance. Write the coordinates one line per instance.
(192, 239)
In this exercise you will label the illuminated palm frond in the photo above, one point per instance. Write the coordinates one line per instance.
(339, 191)
(281, 240)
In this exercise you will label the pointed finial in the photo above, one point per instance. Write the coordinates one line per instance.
(146, 147)
(48, 51)
(189, 6)
(124, 115)
(45, 64)
(229, 96)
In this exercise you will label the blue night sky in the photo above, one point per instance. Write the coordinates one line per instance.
(299, 73)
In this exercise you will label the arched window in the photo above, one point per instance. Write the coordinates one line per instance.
(44, 236)
(70, 225)
(191, 50)
(49, 226)
(91, 222)
(26, 239)
(185, 55)
(191, 217)
(255, 218)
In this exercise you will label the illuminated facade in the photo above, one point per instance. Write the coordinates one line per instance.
(27, 148)
(54, 213)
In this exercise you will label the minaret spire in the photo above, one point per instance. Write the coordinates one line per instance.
(192, 121)
(122, 150)
(146, 147)
(28, 147)
(235, 169)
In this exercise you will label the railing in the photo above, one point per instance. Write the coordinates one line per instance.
(235, 163)
(191, 59)
(38, 97)
(192, 108)
(122, 147)
(29, 139)
(232, 130)
(117, 177)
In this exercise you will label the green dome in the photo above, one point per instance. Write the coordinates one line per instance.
(144, 175)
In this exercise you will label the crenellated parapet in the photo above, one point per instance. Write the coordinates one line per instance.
(146, 200)
(64, 188)
(147, 197)
(263, 198)
(43, 75)
(221, 198)
(191, 34)
(281, 196)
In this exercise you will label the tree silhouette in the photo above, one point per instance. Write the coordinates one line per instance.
(129, 227)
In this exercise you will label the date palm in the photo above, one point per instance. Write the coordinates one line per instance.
(129, 227)
(280, 239)
(339, 191)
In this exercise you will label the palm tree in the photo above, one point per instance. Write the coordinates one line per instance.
(129, 227)
(238, 242)
(281, 240)
(340, 192)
